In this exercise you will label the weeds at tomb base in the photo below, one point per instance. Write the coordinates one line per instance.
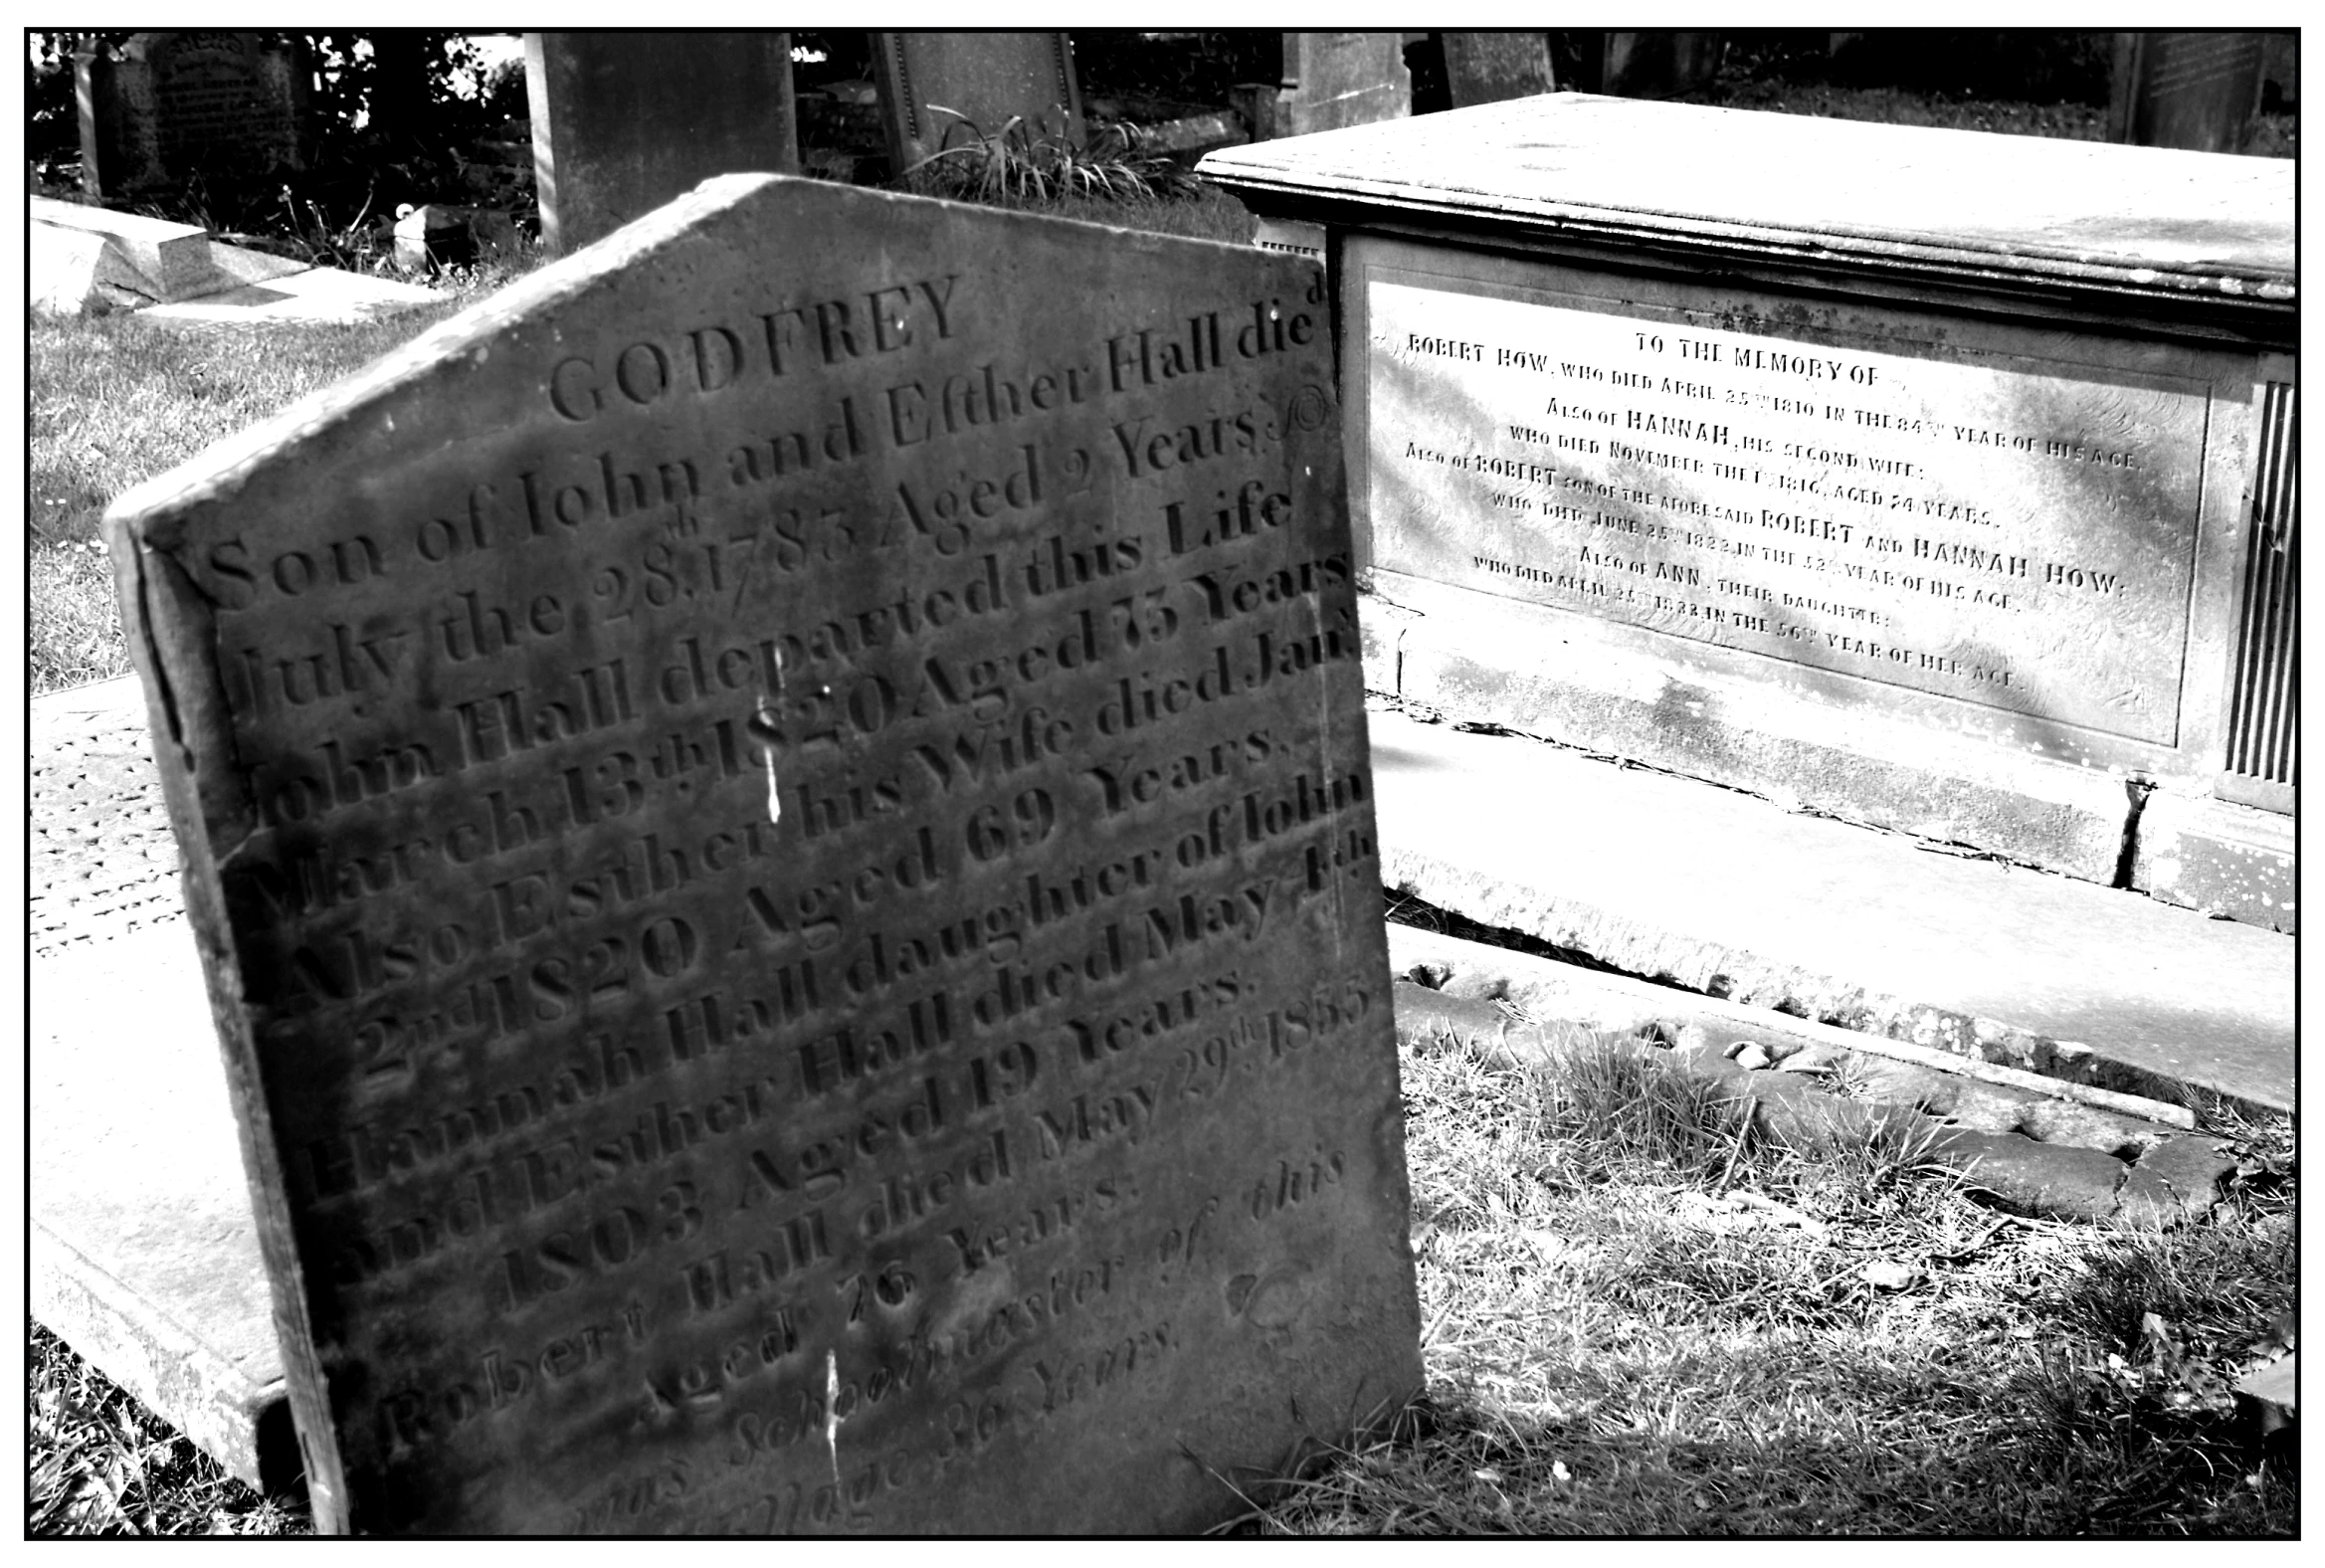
(1618, 1344)
(1615, 1345)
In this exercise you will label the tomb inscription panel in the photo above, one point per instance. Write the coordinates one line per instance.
(780, 830)
(2014, 529)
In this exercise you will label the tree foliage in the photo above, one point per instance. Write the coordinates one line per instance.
(394, 116)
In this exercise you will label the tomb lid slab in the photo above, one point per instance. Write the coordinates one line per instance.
(1997, 210)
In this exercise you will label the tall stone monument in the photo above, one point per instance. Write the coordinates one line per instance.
(778, 828)
(626, 121)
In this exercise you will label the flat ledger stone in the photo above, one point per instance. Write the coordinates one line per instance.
(779, 825)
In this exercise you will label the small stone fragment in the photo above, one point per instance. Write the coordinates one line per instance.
(1813, 1059)
(2087, 1127)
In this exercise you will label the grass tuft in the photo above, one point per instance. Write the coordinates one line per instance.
(1023, 161)
(97, 1462)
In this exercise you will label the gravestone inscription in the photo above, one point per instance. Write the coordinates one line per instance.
(780, 829)
(1769, 470)
(1922, 519)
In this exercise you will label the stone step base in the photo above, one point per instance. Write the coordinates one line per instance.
(1726, 894)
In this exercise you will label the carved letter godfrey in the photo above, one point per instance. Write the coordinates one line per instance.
(779, 825)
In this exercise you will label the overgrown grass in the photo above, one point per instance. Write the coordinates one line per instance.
(1844, 1343)
(116, 399)
(97, 1462)
(1021, 160)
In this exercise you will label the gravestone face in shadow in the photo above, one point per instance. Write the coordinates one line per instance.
(1485, 67)
(940, 89)
(1332, 80)
(779, 825)
(1657, 64)
(2195, 91)
(177, 106)
(626, 121)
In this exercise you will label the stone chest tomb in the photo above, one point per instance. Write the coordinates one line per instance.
(1939, 480)
(779, 828)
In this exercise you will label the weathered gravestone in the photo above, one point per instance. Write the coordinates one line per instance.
(1655, 64)
(2195, 91)
(173, 105)
(624, 121)
(778, 821)
(940, 89)
(1332, 80)
(1485, 67)
(1940, 480)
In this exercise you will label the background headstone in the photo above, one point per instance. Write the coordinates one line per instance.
(2195, 91)
(623, 123)
(1332, 80)
(779, 825)
(988, 78)
(1485, 67)
(177, 105)
(1660, 63)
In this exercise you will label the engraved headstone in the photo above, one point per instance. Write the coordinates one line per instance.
(779, 825)
(941, 89)
(173, 105)
(1485, 67)
(2195, 91)
(623, 123)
